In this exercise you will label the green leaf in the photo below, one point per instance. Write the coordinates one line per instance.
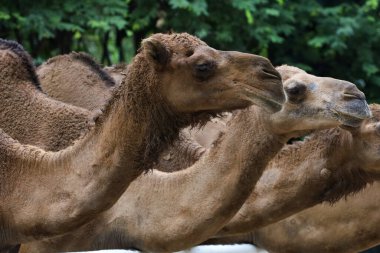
(318, 41)
(345, 31)
(372, 4)
(244, 4)
(4, 16)
(370, 69)
(272, 12)
(275, 38)
(249, 17)
(179, 4)
(199, 7)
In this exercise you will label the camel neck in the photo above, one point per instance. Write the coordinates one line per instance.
(137, 123)
(316, 170)
(237, 160)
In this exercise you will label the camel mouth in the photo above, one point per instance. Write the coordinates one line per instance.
(271, 104)
(265, 102)
(266, 99)
(352, 113)
(349, 120)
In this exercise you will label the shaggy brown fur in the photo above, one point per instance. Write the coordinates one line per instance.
(25, 59)
(323, 228)
(117, 72)
(89, 88)
(28, 115)
(95, 67)
(176, 222)
(128, 134)
(237, 172)
(328, 166)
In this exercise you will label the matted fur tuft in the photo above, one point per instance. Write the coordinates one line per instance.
(348, 181)
(26, 60)
(321, 145)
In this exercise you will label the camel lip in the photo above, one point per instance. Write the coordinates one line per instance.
(265, 102)
(266, 99)
(349, 120)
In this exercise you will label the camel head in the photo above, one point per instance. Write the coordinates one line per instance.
(318, 102)
(194, 77)
(367, 141)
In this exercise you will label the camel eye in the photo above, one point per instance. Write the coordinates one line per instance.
(204, 70)
(296, 92)
(203, 67)
(189, 53)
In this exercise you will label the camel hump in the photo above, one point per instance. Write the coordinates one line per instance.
(18, 63)
(93, 65)
(83, 59)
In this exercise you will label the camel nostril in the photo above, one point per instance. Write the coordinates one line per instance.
(272, 73)
(354, 95)
(352, 92)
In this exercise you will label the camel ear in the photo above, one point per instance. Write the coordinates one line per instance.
(287, 71)
(156, 51)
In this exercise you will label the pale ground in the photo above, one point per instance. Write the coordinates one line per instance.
(242, 248)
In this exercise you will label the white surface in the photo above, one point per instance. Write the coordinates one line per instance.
(241, 248)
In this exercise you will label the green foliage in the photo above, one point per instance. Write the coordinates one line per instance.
(327, 37)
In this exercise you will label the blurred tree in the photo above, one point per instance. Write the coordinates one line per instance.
(335, 38)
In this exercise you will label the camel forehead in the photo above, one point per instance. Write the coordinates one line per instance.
(179, 41)
(313, 81)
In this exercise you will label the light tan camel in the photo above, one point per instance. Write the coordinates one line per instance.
(44, 194)
(349, 226)
(166, 219)
(325, 227)
(326, 167)
(91, 89)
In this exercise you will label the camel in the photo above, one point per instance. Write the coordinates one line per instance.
(157, 212)
(116, 72)
(144, 115)
(95, 85)
(324, 228)
(351, 225)
(327, 166)
(77, 79)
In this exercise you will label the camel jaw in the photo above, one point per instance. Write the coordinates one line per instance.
(350, 120)
(267, 103)
(352, 113)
